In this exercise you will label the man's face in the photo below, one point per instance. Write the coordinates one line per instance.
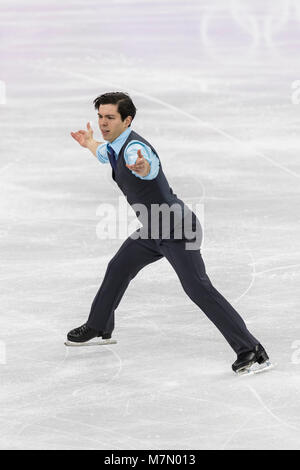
(110, 122)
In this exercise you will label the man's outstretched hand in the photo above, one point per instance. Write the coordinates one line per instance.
(84, 138)
(141, 166)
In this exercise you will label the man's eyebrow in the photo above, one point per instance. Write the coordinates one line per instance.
(107, 115)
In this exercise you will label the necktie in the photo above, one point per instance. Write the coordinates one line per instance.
(112, 157)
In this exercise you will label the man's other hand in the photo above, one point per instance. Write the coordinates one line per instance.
(141, 166)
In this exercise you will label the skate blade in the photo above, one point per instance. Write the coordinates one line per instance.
(100, 342)
(256, 368)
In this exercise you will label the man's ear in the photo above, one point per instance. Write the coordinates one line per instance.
(128, 120)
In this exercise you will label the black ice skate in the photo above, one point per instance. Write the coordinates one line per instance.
(252, 362)
(83, 335)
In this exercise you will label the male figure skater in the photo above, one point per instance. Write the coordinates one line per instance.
(137, 170)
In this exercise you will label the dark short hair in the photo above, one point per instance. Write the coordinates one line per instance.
(123, 100)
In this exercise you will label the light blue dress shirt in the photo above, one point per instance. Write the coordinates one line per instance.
(130, 153)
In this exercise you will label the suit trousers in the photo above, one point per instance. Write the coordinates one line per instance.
(189, 266)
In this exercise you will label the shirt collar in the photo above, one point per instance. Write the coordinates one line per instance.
(118, 143)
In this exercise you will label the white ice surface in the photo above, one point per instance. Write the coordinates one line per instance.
(213, 88)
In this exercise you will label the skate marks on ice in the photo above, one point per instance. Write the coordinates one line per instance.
(269, 411)
(247, 424)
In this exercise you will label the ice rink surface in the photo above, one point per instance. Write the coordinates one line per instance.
(215, 84)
